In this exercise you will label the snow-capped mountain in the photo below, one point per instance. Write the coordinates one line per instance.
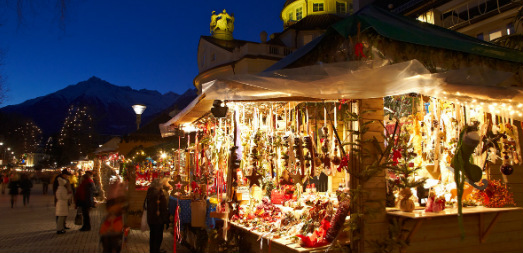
(110, 106)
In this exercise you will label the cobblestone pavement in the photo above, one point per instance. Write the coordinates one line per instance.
(33, 229)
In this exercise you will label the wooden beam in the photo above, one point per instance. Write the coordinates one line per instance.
(489, 228)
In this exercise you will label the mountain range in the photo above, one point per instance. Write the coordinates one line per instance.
(110, 106)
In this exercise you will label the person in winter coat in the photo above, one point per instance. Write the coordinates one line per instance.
(84, 198)
(13, 188)
(25, 186)
(64, 175)
(112, 229)
(157, 212)
(63, 195)
(5, 182)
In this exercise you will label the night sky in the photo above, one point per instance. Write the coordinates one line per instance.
(149, 44)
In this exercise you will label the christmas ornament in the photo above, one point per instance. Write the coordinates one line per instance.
(506, 169)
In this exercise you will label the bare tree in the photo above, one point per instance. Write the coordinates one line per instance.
(32, 8)
(23, 9)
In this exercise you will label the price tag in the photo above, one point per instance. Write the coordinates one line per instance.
(244, 191)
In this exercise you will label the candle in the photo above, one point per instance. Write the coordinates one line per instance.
(324, 116)
(307, 118)
(335, 118)
(285, 118)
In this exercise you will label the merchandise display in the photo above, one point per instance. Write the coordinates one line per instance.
(282, 170)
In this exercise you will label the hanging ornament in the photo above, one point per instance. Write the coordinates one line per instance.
(506, 169)
(336, 159)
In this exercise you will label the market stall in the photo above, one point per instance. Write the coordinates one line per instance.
(438, 140)
(285, 147)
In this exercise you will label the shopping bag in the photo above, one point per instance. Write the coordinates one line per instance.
(198, 213)
(144, 226)
(78, 218)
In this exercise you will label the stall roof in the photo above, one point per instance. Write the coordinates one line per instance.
(110, 146)
(360, 80)
(405, 29)
(192, 112)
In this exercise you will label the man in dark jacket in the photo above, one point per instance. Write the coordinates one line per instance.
(25, 186)
(85, 198)
(157, 212)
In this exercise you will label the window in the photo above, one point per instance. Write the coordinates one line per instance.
(480, 36)
(274, 50)
(510, 29)
(299, 13)
(291, 15)
(340, 8)
(317, 7)
(495, 34)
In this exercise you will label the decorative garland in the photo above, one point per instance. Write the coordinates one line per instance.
(495, 195)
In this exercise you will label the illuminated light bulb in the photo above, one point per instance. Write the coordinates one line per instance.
(520, 105)
(495, 104)
(511, 112)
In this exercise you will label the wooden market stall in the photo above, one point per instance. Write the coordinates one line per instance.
(448, 81)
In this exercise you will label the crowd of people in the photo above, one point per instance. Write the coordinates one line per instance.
(76, 189)
(16, 184)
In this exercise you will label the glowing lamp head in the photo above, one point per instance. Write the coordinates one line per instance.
(139, 108)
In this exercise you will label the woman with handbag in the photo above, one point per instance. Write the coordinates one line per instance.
(157, 212)
(85, 199)
(62, 204)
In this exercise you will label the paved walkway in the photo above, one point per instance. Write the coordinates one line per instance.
(33, 229)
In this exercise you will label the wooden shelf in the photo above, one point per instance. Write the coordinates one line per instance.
(420, 215)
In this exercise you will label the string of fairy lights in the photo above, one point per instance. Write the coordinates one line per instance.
(77, 129)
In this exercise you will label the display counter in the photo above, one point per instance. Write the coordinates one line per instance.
(254, 241)
(427, 227)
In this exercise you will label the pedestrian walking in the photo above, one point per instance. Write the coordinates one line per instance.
(84, 198)
(157, 213)
(63, 195)
(5, 182)
(13, 188)
(112, 229)
(46, 179)
(25, 186)
(73, 180)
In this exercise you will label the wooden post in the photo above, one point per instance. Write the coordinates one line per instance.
(375, 225)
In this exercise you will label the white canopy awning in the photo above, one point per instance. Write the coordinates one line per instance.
(363, 80)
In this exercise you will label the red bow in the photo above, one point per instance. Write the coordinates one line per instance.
(358, 50)
(344, 162)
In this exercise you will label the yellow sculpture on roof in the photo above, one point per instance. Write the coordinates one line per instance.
(222, 25)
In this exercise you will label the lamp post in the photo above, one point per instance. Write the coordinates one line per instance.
(138, 109)
(3, 159)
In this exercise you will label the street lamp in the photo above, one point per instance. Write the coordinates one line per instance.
(3, 159)
(138, 109)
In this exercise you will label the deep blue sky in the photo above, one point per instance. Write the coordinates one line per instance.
(148, 44)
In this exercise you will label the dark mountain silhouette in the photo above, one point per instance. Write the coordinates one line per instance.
(110, 106)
